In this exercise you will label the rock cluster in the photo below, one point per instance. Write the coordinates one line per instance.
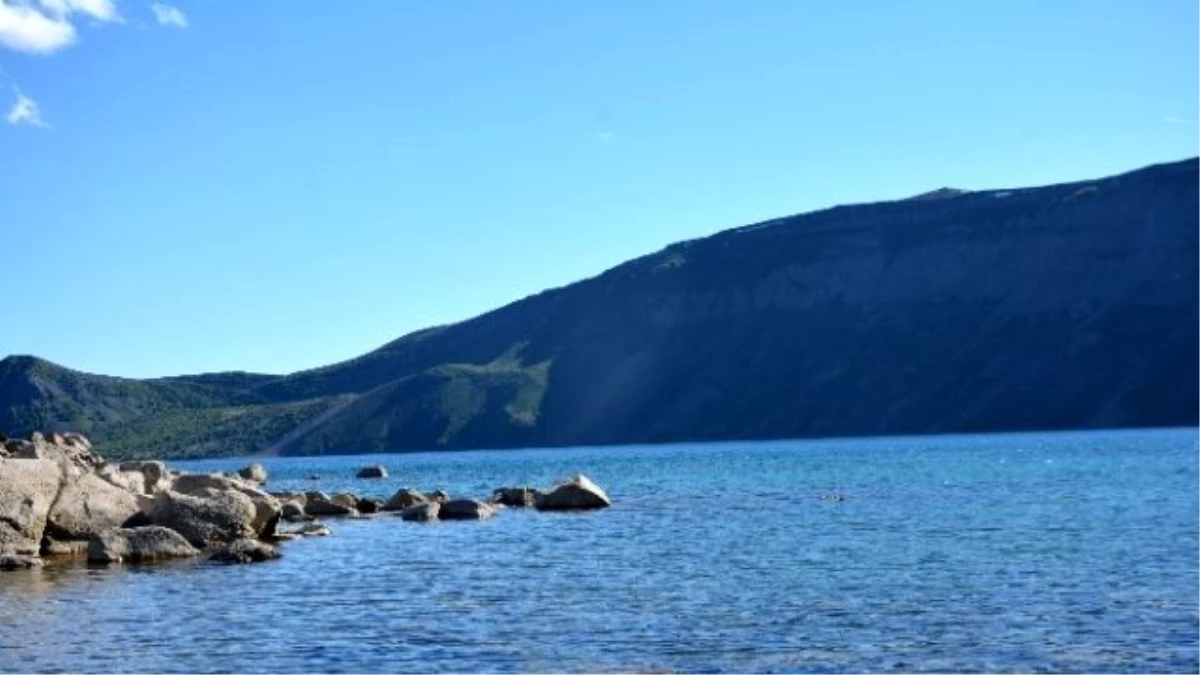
(59, 498)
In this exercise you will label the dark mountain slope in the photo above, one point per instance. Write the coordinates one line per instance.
(1068, 306)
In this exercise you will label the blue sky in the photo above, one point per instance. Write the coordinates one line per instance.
(267, 186)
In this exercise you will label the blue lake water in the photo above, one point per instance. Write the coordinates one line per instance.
(1034, 552)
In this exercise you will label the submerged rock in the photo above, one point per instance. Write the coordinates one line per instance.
(421, 512)
(245, 551)
(373, 471)
(577, 492)
(465, 509)
(139, 544)
(404, 498)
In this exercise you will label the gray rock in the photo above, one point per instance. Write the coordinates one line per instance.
(217, 517)
(518, 496)
(404, 498)
(28, 488)
(439, 496)
(421, 512)
(255, 472)
(245, 551)
(155, 476)
(290, 497)
(139, 544)
(16, 561)
(88, 505)
(292, 510)
(63, 549)
(577, 492)
(345, 499)
(465, 509)
(325, 507)
(267, 508)
(368, 505)
(373, 471)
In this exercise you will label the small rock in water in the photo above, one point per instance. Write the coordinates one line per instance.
(421, 512)
(139, 544)
(519, 496)
(577, 492)
(368, 505)
(245, 551)
(439, 496)
(466, 509)
(373, 471)
(404, 498)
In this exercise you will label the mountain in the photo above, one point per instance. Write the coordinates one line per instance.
(1059, 307)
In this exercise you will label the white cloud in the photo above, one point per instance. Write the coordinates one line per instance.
(46, 26)
(606, 137)
(168, 15)
(1172, 119)
(24, 110)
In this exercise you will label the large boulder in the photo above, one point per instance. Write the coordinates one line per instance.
(518, 496)
(439, 496)
(404, 498)
(465, 509)
(256, 473)
(345, 499)
(577, 492)
(267, 508)
(368, 505)
(245, 551)
(216, 517)
(373, 471)
(88, 505)
(421, 512)
(68, 449)
(28, 488)
(292, 510)
(139, 544)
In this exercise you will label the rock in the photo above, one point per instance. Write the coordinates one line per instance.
(63, 549)
(405, 498)
(465, 509)
(28, 488)
(217, 517)
(373, 471)
(245, 551)
(421, 512)
(345, 499)
(75, 451)
(139, 544)
(368, 505)
(255, 472)
(326, 507)
(577, 492)
(267, 508)
(439, 496)
(292, 510)
(290, 497)
(154, 475)
(14, 561)
(312, 529)
(520, 496)
(88, 505)
(314, 476)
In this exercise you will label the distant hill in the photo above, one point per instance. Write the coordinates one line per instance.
(1060, 307)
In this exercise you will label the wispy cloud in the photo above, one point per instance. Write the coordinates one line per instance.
(47, 26)
(1173, 119)
(24, 111)
(169, 15)
(606, 137)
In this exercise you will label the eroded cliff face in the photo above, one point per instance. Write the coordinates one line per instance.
(1061, 307)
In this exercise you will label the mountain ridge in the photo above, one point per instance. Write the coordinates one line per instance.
(1061, 306)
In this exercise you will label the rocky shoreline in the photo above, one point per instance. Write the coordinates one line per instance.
(59, 499)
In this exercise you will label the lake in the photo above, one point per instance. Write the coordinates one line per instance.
(1072, 552)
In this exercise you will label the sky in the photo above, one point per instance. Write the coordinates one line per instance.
(268, 186)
